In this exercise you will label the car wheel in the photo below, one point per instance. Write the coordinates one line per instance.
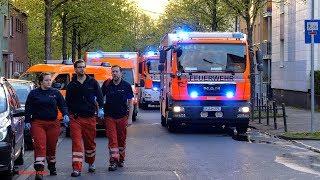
(134, 117)
(20, 160)
(10, 171)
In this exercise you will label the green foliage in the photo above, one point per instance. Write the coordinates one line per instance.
(302, 135)
(196, 14)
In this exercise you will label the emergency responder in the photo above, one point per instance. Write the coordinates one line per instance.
(41, 116)
(16, 75)
(82, 94)
(118, 109)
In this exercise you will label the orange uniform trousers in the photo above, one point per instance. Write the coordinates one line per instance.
(116, 131)
(45, 136)
(83, 134)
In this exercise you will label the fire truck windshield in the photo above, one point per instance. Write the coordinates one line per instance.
(128, 75)
(212, 58)
(153, 66)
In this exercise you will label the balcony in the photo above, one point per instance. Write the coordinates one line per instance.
(266, 49)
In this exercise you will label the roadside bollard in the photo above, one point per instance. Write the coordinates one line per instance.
(284, 117)
(259, 109)
(274, 114)
(268, 113)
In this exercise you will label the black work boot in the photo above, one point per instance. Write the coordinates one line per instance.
(39, 175)
(75, 173)
(112, 166)
(120, 163)
(52, 169)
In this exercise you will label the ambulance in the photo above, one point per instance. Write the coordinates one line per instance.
(149, 80)
(205, 80)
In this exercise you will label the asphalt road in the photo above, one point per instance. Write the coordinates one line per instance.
(154, 153)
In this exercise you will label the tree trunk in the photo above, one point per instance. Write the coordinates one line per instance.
(48, 28)
(252, 65)
(214, 23)
(74, 43)
(64, 36)
(79, 47)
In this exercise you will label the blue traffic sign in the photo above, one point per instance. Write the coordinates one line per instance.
(312, 27)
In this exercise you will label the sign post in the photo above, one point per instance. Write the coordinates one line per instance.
(312, 36)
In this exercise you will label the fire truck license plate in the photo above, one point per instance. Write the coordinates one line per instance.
(211, 108)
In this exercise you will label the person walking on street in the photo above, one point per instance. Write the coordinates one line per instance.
(118, 109)
(81, 96)
(41, 111)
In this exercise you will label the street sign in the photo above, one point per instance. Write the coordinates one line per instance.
(312, 28)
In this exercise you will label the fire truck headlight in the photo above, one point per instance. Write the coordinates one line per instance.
(230, 94)
(178, 109)
(194, 94)
(244, 109)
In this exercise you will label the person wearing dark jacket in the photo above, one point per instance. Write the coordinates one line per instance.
(118, 111)
(41, 111)
(82, 95)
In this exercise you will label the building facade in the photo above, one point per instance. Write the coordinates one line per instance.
(262, 34)
(14, 40)
(291, 57)
(4, 34)
(18, 42)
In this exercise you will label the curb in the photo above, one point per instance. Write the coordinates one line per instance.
(305, 146)
(295, 142)
(289, 138)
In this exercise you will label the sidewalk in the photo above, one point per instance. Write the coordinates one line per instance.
(298, 120)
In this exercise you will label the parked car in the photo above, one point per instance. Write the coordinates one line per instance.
(23, 88)
(11, 128)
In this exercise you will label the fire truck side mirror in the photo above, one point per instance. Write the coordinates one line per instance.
(178, 50)
(161, 67)
(259, 60)
(142, 83)
(163, 56)
(140, 67)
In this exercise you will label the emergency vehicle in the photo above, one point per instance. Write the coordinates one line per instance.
(149, 80)
(128, 61)
(205, 80)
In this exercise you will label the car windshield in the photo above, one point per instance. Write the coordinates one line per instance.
(30, 76)
(153, 66)
(128, 75)
(212, 58)
(22, 90)
(3, 100)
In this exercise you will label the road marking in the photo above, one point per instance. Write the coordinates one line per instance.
(286, 162)
(175, 172)
(30, 168)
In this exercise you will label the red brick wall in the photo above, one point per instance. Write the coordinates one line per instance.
(18, 41)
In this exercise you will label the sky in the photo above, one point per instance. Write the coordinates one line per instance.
(153, 8)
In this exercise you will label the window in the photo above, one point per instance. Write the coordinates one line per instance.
(5, 26)
(63, 79)
(3, 100)
(13, 98)
(11, 27)
(19, 26)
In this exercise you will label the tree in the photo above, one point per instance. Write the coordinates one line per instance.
(199, 15)
(50, 7)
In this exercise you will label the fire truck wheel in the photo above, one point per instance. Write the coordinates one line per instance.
(242, 129)
(172, 127)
